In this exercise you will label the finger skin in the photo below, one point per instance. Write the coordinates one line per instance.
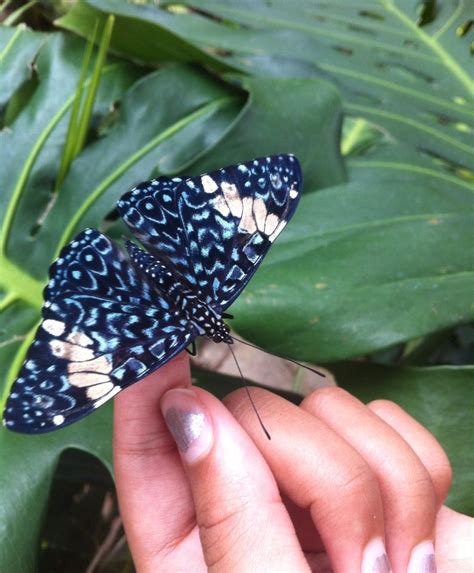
(243, 523)
(319, 471)
(406, 487)
(423, 443)
(154, 496)
(454, 546)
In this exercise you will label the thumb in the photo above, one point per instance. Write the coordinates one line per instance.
(243, 523)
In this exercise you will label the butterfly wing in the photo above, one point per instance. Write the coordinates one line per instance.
(150, 211)
(104, 327)
(231, 218)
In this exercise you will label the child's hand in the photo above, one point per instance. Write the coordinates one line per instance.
(336, 482)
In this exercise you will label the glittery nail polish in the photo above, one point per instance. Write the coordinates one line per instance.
(375, 558)
(188, 423)
(422, 559)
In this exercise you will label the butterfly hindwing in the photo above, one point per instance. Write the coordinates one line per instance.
(103, 329)
(231, 218)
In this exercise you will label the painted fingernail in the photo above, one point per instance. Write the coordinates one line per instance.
(422, 559)
(188, 423)
(375, 558)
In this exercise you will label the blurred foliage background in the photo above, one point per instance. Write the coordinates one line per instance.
(374, 278)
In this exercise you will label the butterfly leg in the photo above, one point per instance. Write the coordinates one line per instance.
(228, 316)
(193, 350)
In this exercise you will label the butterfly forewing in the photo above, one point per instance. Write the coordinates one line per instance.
(103, 328)
(231, 218)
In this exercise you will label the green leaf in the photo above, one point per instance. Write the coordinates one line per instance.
(441, 399)
(366, 265)
(411, 82)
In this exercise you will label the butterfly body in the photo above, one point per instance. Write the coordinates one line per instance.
(202, 316)
(111, 318)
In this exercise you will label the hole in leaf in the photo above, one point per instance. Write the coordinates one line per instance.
(464, 28)
(448, 164)
(427, 12)
(447, 120)
(206, 14)
(362, 29)
(371, 14)
(221, 52)
(406, 72)
(35, 229)
(108, 121)
(343, 50)
(113, 215)
(409, 43)
(20, 99)
(365, 97)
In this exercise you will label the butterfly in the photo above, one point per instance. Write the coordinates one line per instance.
(111, 317)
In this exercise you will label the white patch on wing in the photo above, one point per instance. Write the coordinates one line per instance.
(70, 352)
(271, 223)
(103, 400)
(221, 206)
(277, 231)
(260, 213)
(100, 365)
(208, 183)
(53, 327)
(293, 193)
(84, 379)
(99, 390)
(58, 420)
(232, 197)
(247, 222)
(79, 338)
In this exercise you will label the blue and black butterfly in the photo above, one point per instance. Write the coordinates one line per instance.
(110, 318)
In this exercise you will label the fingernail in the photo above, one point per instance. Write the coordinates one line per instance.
(375, 558)
(422, 559)
(188, 423)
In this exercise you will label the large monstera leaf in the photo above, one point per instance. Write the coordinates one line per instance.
(402, 65)
(172, 120)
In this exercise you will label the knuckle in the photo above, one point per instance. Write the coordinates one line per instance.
(144, 444)
(359, 478)
(322, 398)
(410, 481)
(384, 406)
(224, 528)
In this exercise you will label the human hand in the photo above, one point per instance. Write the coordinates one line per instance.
(336, 479)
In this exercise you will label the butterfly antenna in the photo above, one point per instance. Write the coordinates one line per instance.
(248, 394)
(282, 357)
